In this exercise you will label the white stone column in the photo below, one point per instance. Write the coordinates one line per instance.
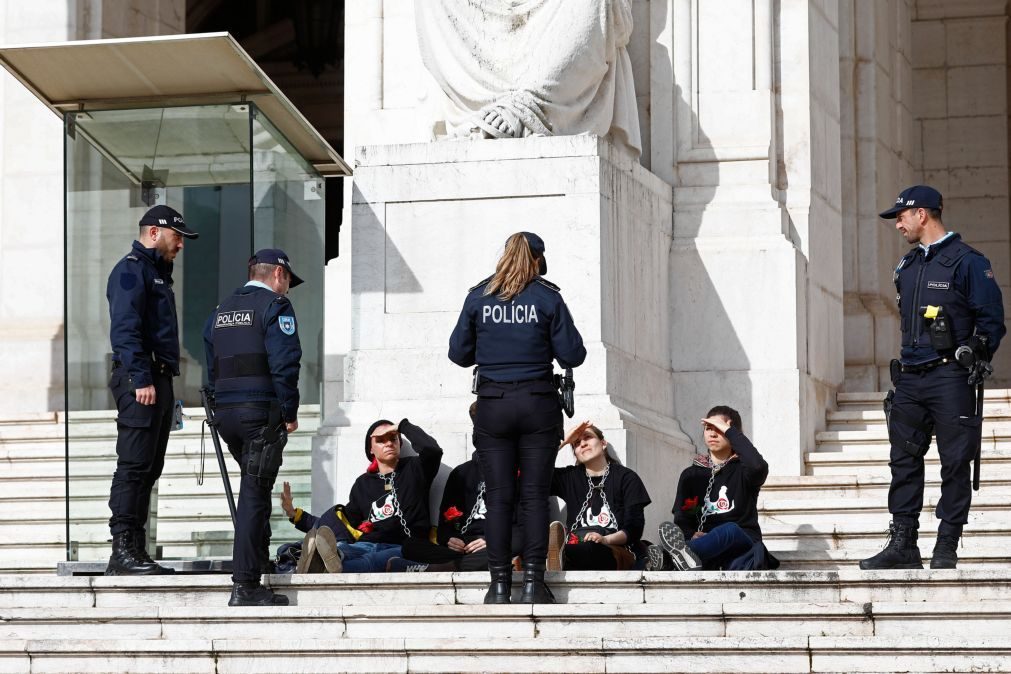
(429, 220)
(876, 88)
(757, 284)
(960, 89)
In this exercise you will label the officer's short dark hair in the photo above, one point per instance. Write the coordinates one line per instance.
(262, 270)
(934, 213)
(727, 412)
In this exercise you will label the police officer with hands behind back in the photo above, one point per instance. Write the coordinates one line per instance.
(253, 355)
(513, 325)
(952, 316)
(144, 333)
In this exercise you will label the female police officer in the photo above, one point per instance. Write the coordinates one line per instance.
(513, 324)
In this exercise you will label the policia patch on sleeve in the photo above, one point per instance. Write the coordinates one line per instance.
(287, 324)
(241, 318)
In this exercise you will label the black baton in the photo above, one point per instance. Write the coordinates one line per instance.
(979, 445)
(213, 424)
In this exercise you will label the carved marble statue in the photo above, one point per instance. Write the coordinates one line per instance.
(515, 68)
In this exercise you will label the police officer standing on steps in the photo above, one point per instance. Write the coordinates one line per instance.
(144, 334)
(513, 325)
(952, 318)
(253, 356)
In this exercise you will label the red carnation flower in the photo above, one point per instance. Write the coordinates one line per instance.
(690, 503)
(366, 526)
(452, 513)
(572, 540)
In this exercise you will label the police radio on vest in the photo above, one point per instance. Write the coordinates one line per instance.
(512, 313)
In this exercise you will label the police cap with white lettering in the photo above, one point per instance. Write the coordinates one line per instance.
(278, 257)
(536, 244)
(163, 216)
(917, 196)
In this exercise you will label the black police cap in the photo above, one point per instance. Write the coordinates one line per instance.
(536, 244)
(163, 216)
(917, 196)
(278, 257)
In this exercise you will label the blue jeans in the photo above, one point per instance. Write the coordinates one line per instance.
(720, 547)
(365, 557)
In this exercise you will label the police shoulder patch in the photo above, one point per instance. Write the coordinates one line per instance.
(548, 284)
(478, 285)
(287, 324)
(127, 280)
(133, 257)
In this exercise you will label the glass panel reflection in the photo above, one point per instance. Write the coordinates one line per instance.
(200, 161)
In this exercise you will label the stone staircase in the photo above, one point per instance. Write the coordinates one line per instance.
(801, 621)
(190, 520)
(837, 514)
(817, 614)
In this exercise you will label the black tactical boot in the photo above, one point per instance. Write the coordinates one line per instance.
(501, 585)
(124, 560)
(254, 594)
(534, 589)
(140, 549)
(901, 551)
(945, 555)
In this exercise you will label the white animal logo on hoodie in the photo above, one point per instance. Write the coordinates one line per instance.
(722, 506)
(384, 511)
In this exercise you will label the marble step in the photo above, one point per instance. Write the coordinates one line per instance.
(971, 556)
(178, 461)
(968, 586)
(516, 621)
(208, 498)
(497, 654)
(847, 486)
(871, 400)
(868, 532)
(865, 461)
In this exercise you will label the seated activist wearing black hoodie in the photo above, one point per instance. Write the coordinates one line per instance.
(388, 503)
(716, 507)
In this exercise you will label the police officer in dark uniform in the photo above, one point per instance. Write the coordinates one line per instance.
(144, 333)
(253, 355)
(513, 325)
(952, 318)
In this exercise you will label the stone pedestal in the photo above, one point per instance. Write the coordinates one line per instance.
(429, 220)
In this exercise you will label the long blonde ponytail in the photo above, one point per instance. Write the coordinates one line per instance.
(515, 269)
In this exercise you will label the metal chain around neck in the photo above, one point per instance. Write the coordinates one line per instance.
(476, 509)
(589, 496)
(713, 469)
(388, 479)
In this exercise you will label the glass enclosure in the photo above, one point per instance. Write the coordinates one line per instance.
(242, 186)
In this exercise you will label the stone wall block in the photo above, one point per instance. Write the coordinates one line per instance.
(977, 141)
(930, 91)
(929, 42)
(977, 91)
(977, 41)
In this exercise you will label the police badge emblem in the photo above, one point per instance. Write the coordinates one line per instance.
(287, 324)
